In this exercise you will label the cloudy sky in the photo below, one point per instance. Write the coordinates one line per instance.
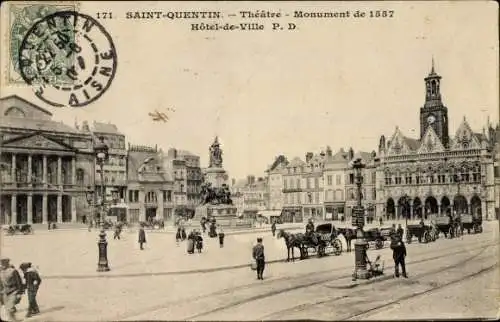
(337, 82)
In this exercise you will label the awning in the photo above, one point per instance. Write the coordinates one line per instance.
(270, 213)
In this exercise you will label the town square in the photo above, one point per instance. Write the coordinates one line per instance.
(249, 184)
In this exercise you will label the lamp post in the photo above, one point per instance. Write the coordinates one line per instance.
(358, 220)
(101, 154)
(406, 207)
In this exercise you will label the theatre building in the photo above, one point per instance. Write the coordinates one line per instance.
(437, 173)
(46, 166)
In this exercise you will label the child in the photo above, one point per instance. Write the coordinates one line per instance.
(221, 237)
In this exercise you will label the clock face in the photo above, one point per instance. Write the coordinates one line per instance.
(431, 119)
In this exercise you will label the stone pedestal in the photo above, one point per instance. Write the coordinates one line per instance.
(215, 176)
(225, 215)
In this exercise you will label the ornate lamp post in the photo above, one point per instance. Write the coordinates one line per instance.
(406, 207)
(358, 220)
(101, 153)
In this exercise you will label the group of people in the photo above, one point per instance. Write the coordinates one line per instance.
(12, 288)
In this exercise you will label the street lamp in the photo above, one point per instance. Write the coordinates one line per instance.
(101, 154)
(406, 207)
(358, 220)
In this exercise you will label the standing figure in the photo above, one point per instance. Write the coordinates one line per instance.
(203, 224)
(190, 242)
(258, 255)
(199, 242)
(398, 254)
(11, 288)
(273, 228)
(221, 237)
(381, 221)
(142, 236)
(400, 231)
(118, 230)
(178, 236)
(33, 282)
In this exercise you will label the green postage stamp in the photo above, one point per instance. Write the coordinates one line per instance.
(22, 16)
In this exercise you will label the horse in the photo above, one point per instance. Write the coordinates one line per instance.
(349, 234)
(292, 241)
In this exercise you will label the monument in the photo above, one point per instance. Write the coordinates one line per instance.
(215, 194)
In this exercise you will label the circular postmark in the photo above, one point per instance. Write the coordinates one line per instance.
(69, 59)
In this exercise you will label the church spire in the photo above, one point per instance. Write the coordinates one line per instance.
(432, 69)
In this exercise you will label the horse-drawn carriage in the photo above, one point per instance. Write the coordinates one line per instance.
(424, 233)
(14, 229)
(322, 241)
(377, 236)
(448, 226)
(472, 223)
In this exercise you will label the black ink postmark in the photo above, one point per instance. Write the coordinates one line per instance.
(69, 59)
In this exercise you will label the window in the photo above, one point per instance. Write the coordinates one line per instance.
(298, 183)
(182, 188)
(339, 179)
(284, 183)
(329, 180)
(316, 183)
(130, 196)
(316, 197)
(80, 177)
(351, 178)
(136, 196)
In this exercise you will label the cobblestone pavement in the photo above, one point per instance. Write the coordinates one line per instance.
(290, 290)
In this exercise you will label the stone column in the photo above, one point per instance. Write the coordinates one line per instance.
(161, 202)
(44, 171)
(396, 209)
(30, 208)
(59, 207)
(13, 211)
(412, 216)
(73, 209)
(59, 171)
(73, 171)
(44, 206)
(30, 171)
(142, 209)
(13, 168)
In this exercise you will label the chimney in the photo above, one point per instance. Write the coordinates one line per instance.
(309, 156)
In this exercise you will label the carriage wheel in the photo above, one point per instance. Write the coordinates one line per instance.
(426, 238)
(337, 247)
(408, 238)
(321, 251)
(379, 244)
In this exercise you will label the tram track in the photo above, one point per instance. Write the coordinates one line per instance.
(362, 289)
(300, 280)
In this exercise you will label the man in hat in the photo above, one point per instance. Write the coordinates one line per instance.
(398, 254)
(142, 236)
(10, 288)
(258, 255)
(33, 282)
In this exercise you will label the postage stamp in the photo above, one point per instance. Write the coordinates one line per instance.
(68, 58)
(22, 16)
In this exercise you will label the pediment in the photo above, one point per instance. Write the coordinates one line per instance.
(430, 142)
(35, 142)
(464, 138)
(397, 145)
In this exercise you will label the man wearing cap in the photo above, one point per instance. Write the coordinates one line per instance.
(33, 282)
(258, 255)
(10, 288)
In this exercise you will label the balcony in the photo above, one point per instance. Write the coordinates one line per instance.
(288, 190)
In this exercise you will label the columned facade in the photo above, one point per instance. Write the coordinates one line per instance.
(39, 161)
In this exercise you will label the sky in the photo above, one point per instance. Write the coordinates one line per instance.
(336, 82)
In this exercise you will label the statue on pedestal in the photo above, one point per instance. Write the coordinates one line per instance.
(215, 196)
(215, 154)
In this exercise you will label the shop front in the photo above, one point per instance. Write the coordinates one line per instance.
(291, 215)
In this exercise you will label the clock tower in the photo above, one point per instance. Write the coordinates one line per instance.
(434, 113)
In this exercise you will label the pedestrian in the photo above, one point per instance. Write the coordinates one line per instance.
(380, 220)
(221, 237)
(118, 230)
(258, 255)
(178, 236)
(190, 242)
(398, 254)
(142, 236)
(33, 281)
(273, 228)
(400, 231)
(11, 288)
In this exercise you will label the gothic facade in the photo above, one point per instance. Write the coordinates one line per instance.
(437, 173)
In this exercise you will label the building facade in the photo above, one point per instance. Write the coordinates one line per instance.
(46, 166)
(250, 196)
(275, 183)
(292, 191)
(312, 194)
(335, 184)
(150, 188)
(438, 173)
(115, 168)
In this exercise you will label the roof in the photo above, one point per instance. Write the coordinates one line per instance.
(339, 157)
(296, 162)
(480, 136)
(186, 153)
(38, 125)
(107, 128)
(413, 144)
(136, 160)
(27, 102)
